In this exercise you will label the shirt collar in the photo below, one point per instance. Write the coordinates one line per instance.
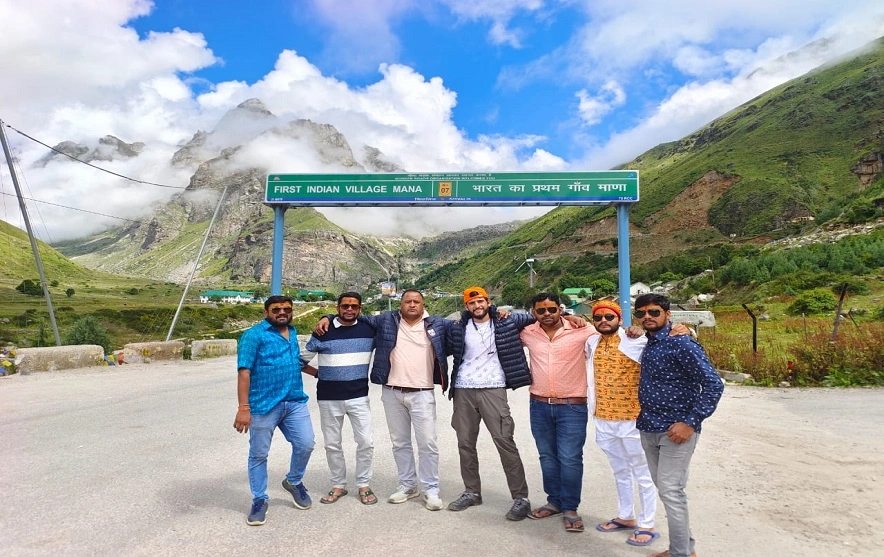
(337, 323)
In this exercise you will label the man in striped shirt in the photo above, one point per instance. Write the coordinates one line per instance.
(343, 354)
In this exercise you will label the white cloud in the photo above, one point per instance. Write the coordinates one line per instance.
(499, 13)
(593, 109)
(407, 116)
(361, 35)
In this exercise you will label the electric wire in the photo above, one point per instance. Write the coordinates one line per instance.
(137, 181)
(76, 209)
(17, 161)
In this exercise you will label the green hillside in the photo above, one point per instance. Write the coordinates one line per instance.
(791, 148)
(785, 154)
(18, 259)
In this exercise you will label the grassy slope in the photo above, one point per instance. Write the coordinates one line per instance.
(792, 147)
(93, 289)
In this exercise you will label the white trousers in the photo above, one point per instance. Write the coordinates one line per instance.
(331, 417)
(621, 442)
(416, 410)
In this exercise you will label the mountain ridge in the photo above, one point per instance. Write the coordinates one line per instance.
(808, 151)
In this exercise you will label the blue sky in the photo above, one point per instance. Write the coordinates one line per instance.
(444, 85)
(432, 40)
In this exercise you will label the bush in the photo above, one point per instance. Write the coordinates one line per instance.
(855, 358)
(855, 285)
(88, 330)
(30, 287)
(818, 300)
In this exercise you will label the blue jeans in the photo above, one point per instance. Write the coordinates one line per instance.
(560, 431)
(293, 420)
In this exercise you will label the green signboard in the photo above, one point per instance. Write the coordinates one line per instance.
(474, 188)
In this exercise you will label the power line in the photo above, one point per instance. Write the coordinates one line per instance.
(76, 209)
(35, 140)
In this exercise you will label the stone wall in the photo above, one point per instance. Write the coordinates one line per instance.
(200, 349)
(137, 352)
(54, 358)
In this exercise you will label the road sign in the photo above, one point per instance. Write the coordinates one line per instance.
(695, 318)
(466, 189)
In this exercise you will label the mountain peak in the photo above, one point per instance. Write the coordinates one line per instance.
(254, 105)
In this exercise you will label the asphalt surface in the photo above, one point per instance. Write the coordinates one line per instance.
(143, 459)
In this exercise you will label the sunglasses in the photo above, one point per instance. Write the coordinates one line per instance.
(541, 311)
(349, 306)
(607, 317)
(274, 311)
(652, 312)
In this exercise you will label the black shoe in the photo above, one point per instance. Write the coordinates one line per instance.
(465, 501)
(520, 509)
(256, 515)
(299, 494)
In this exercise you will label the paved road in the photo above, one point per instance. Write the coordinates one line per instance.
(143, 460)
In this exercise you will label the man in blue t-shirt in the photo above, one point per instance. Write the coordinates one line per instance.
(344, 353)
(271, 394)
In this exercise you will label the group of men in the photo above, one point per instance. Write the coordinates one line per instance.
(648, 391)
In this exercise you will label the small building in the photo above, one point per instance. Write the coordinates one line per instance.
(304, 293)
(227, 296)
(578, 294)
(638, 288)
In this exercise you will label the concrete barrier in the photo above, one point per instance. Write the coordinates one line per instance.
(54, 358)
(200, 349)
(145, 352)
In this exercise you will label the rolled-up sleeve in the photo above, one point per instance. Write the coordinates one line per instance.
(701, 371)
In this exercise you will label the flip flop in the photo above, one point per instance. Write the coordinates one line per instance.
(571, 523)
(368, 497)
(544, 509)
(332, 497)
(654, 536)
(619, 526)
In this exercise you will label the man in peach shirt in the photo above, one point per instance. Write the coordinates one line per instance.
(558, 407)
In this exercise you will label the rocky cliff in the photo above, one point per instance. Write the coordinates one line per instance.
(317, 253)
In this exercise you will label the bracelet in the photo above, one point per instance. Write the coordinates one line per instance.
(241, 406)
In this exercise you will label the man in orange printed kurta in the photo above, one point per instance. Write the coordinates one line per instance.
(613, 371)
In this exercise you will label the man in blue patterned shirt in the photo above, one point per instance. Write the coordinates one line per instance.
(678, 389)
(271, 394)
(343, 355)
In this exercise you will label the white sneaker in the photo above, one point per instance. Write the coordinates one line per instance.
(432, 502)
(402, 495)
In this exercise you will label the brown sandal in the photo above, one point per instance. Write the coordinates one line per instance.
(368, 497)
(332, 497)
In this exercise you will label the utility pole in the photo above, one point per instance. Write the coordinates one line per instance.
(24, 213)
(197, 262)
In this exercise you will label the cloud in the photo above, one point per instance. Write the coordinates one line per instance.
(361, 34)
(593, 109)
(407, 116)
(499, 13)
